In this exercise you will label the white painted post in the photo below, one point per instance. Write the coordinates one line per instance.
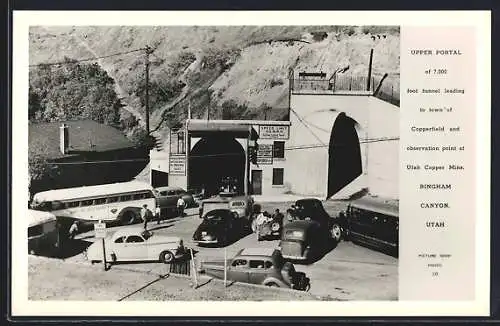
(225, 267)
(194, 268)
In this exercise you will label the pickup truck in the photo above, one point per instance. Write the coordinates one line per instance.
(258, 266)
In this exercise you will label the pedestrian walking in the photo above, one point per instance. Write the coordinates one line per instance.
(73, 230)
(180, 206)
(158, 215)
(278, 216)
(260, 220)
(146, 215)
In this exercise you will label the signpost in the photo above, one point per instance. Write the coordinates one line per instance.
(100, 233)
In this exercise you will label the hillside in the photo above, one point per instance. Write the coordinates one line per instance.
(211, 67)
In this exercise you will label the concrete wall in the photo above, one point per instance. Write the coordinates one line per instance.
(383, 156)
(267, 172)
(380, 159)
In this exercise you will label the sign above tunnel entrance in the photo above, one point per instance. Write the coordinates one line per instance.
(274, 132)
(177, 165)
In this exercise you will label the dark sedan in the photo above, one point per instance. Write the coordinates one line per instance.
(312, 209)
(220, 227)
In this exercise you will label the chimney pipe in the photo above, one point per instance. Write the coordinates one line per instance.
(63, 138)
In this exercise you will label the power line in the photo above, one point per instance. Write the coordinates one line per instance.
(305, 124)
(86, 59)
(373, 140)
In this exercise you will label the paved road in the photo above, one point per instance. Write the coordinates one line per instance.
(348, 271)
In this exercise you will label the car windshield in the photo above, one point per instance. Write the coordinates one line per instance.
(146, 234)
(214, 216)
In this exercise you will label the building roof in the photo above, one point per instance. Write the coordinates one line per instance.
(44, 138)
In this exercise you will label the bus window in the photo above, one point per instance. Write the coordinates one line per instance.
(138, 196)
(113, 199)
(125, 198)
(86, 202)
(99, 201)
(56, 205)
(149, 194)
(72, 204)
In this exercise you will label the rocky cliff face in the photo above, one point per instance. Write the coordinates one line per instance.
(206, 68)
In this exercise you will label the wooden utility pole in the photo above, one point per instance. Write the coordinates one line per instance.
(148, 51)
(368, 83)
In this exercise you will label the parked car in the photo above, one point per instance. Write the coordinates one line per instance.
(263, 266)
(220, 226)
(241, 205)
(312, 209)
(304, 240)
(137, 244)
(375, 222)
(167, 197)
(43, 232)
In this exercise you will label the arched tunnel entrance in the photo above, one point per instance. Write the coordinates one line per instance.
(214, 158)
(344, 154)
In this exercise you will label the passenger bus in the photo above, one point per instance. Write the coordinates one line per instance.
(375, 222)
(116, 203)
(43, 232)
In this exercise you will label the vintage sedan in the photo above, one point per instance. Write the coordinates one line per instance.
(220, 226)
(312, 209)
(137, 244)
(304, 241)
(43, 232)
(167, 197)
(242, 205)
(263, 266)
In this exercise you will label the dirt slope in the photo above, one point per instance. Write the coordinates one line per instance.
(248, 64)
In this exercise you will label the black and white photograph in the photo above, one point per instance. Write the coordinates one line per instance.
(213, 163)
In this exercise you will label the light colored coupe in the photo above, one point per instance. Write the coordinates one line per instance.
(136, 244)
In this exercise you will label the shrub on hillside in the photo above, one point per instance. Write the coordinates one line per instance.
(73, 91)
(319, 36)
(231, 110)
(161, 91)
(349, 31)
(182, 61)
(141, 138)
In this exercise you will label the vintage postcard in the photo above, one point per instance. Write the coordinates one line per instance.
(251, 163)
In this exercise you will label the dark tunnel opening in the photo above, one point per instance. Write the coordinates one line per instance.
(344, 154)
(213, 159)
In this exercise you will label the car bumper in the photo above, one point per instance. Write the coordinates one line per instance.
(206, 241)
(294, 257)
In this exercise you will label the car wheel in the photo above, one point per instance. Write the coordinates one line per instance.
(166, 257)
(336, 232)
(128, 218)
(273, 285)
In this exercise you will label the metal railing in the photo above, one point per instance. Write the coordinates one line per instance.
(347, 83)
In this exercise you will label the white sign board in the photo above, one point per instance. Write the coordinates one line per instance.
(274, 132)
(100, 230)
(177, 165)
(265, 154)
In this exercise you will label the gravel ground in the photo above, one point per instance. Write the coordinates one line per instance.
(51, 279)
